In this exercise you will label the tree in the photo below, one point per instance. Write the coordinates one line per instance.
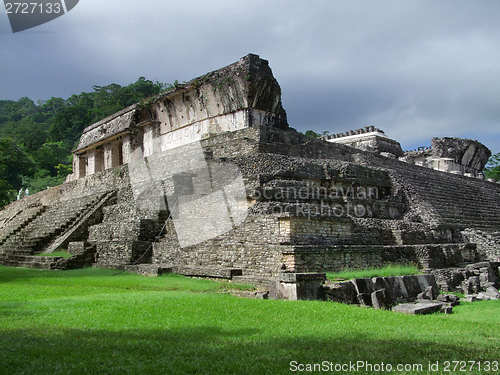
(14, 163)
(492, 169)
(68, 124)
(50, 155)
(312, 134)
(30, 136)
(7, 194)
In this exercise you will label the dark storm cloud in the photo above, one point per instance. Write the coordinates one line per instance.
(416, 69)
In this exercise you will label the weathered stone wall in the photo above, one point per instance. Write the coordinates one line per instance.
(468, 279)
(340, 257)
(488, 244)
(254, 246)
(126, 232)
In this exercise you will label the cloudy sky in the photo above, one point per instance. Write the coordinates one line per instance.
(415, 69)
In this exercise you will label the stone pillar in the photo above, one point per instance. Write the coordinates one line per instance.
(111, 155)
(95, 161)
(126, 149)
(108, 156)
(147, 141)
(90, 162)
(79, 166)
(99, 159)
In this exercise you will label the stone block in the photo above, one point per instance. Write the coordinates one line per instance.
(365, 299)
(215, 272)
(487, 275)
(427, 281)
(483, 297)
(343, 292)
(470, 298)
(298, 286)
(492, 292)
(381, 300)
(292, 277)
(398, 288)
(148, 269)
(447, 309)
(383, 283)
(480, 265)
(363, 285)
(427, 294)
(412, 285)
(448, 298)
(418, 308)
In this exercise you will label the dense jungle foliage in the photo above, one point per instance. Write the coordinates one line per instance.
(492, 169)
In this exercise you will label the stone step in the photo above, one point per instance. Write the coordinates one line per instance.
(418, 308)
(50, 224)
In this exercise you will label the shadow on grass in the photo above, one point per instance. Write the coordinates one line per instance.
(208, 350)
(12, 274)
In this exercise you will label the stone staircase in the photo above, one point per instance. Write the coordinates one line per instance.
(50, 262)
(125, 234)
(43, 229)
(79, 228)
(31, 261)
(460, 201)
(17, 222)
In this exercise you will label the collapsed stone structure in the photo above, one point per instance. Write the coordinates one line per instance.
(454, 155)
(411, 294)
(368, 138)
(209, 180)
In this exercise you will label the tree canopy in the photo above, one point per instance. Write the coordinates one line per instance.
(492, 169)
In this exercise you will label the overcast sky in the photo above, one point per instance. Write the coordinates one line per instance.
(416, 69)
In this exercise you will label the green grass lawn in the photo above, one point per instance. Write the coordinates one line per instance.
(61, 253)
(90, 322)
(389, 270)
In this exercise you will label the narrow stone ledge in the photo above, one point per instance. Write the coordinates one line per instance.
(216, 272)
(298, 277)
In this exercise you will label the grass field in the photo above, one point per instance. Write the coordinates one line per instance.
(90, 322)
(61, 253)
(389, 270)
